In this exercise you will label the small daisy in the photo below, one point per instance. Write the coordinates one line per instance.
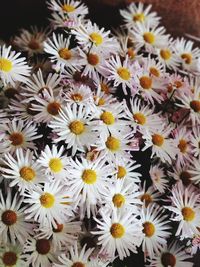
(22, 171)
(155, 68)
(177, 86)
(149, 195)
(38, 252)
(105, 86)
(49, 204)
(12, 67)
(186, 211)
(13, 226)
(74, 126)
(119, 232)
(155, 229)
(195, 141)
(158, 178)
(53, 161)
(63, 21)
(181, 173)
(138, 13)
(75, 258)
(11, 255)
(61, 53)
(173, 255)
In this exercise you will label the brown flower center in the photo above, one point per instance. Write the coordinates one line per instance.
(9, 217)
(43, 246)
(9, 259)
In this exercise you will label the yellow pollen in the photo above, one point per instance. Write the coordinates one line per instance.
(121, 172)
(117, 230)
(65, 53)
(165, 54)
(195, 105)
(187, 58)
(17, 139)
(139, 17)
(27, 173)
(77, 97)
(53, 108)
(131, 53)
(149, 37)
(89, 176)
(107, 117)
(168, 259)
(188, 214)
(68, 8)
(47, 200)
(77, 127)
(96, 38)
(105, 88)
(55, 164)
(113, 143)
(155, 72)
(183, 145)
(146, 198)
(124, 73)
(78, 264)
(9, 259)
(139, 118)
(93, 59)
(148, 229)
(118, 200)
(158, 140)
(101, 101)
(146, 82)
(5, 65)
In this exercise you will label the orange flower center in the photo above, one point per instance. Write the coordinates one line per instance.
(65, 53)
(93, 59)
(195, 105)
(183, 145)
(187, 58)
(158, 140)
(53, 108)
(146, 82)
(148, 229)
(17, 139)
(188, 214)
(146, 198)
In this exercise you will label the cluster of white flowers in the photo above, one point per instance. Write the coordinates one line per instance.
(80, 116)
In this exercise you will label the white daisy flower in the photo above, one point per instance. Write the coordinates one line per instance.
(155, 229)
(63, 21)
(105, 85)
(158, 178)
(194, 171)
(138, 13)
(11, 255)
(12, 67)
(155, 68)
(174, 255)
(74, 257)
(181, 173)
(13, 226)
(49, 204)
(39, 252)
(177, 85)
(149, 195)
(22, 171)
(195, 141)
(119, 232)
(186, 211)
(61, 53)
(74, 126)
(54, 162)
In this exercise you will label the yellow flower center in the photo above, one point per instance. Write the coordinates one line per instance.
(121, 172)
(27, 173)
(155, 72)
(131, 53)
(47, 200)
(183, 145)
(158, 140)
(195, 105)
(5, 65)
(188, 214)
(113, 143)
(117, 230)
(187, 58)
(89, 176)
(53, 108)
(146, 82)
(9, 217)
(55, 164)
(124, 73)
(68, 8)
(139, 118)
(168, 259)
(105, 88)
(107, 117)
(77, 127)
(77, 97)
(9, 259)
(149, 37)
(146, 198)
(93, 59)
(17, 139)
(78, 264)
(148, 229)
(101, 101)
(118, 200)
(165, 54)
(139, 17)
(96, 38)
(65, 53)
